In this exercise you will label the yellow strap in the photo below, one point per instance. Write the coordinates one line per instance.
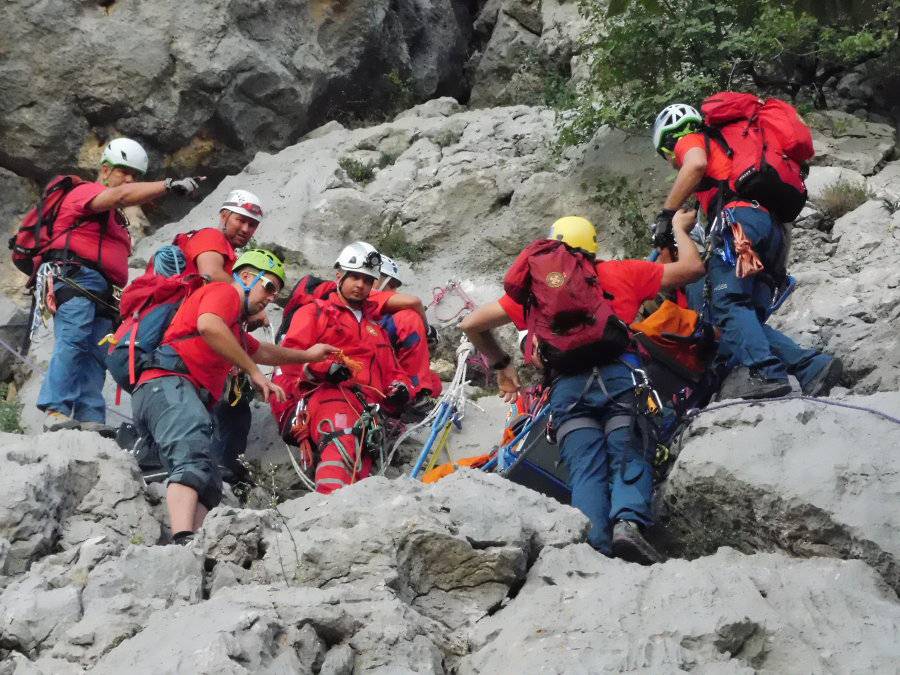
(439, 446)
(236, 390)
(108, 338)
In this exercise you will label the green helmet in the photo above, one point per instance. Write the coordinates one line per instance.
(263, 260)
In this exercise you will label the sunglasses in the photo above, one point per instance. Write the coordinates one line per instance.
(269, 286)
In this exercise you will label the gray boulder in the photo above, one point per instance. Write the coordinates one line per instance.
(79, 604)
(843, 140)
(59, 490)
(729, 613)
(529, 47)
(205, 86)
(13, 327)
(806, 478)
(848, 297)
(821, 178)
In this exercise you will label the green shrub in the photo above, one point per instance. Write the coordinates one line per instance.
(393, 241)
(842, 197)
(358, 172)
(10, 412)
(645, 54)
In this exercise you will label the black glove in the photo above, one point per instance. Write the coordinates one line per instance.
(184, 187)
(397, 395)
(338, 373)
(431, 335)
(663, 236)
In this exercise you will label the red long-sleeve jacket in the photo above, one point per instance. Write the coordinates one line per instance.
(365, 341)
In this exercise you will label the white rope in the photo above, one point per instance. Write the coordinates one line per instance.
(306, 480)
(454, 395)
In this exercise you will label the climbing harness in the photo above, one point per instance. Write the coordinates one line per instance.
(449, 411)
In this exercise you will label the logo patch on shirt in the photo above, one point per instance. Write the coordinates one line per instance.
(372, 330)
(555, 279)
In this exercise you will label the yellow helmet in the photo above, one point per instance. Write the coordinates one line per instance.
(577, 232)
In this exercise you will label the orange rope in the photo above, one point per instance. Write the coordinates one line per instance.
(747, 262)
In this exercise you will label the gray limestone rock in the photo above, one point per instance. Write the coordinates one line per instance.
(729, 613)
(13, 327)
(823, 177)
(212, 83)
(842, 140)
(806, 478)
(58, 490)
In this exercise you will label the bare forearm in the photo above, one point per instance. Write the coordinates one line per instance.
(689, 266)
(686, 183)
(130, 194)
(274, 355)
(487, 344)
(400, 301)
(222, 341)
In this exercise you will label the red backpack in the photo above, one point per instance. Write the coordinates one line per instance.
(768, 145)
(147, 307)
(35, 233)
(309, 288)
(570, 320)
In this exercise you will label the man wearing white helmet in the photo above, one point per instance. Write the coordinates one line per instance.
(329, 391)
(404, 319)
(210, 251)
(91, 245)
(763, 356)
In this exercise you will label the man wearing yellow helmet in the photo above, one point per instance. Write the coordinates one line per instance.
(204, 341)
(611, 481)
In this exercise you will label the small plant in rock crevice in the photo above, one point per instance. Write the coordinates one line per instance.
(842, 197)
(357, 171)
(10, 412)
(619, 195)
(393, 241)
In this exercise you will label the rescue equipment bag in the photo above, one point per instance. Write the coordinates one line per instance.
(309, 288)
(570, 320)
(35, 234)
(768, 144)
(147, 308)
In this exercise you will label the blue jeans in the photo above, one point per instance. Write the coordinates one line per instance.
(73, 384)
(610, 477)
(741, 306)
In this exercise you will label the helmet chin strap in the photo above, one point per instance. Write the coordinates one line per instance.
(247, 289)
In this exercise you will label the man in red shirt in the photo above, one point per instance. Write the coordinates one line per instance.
(330, 390)
(89, 251)
(403, 317)
(211, 252)
(763, 356)
(200, 347)
(610, 477)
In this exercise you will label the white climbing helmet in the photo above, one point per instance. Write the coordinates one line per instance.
(674, 121)
(126, 153)
(360, 257)
(390, 268)
(244, 202)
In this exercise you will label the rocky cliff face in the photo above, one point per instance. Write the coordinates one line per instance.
(780, 518)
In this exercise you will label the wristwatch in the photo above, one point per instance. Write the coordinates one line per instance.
(504, 361)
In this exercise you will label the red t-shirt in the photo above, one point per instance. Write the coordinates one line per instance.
(205, 240)
(110, 252)
(630, 282)
(718, 165)
(206, 369)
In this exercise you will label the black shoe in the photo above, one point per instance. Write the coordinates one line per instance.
(183, 538)
(742, 382)
(629, 544)
(825, 379)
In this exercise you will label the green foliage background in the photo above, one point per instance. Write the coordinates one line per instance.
(645, 54)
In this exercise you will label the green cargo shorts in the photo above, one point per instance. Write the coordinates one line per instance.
(169, 413)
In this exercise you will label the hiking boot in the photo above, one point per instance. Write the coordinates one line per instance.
(825, 379)
(99, 428)
(742, 382)
(629, 544)
(57, 421)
